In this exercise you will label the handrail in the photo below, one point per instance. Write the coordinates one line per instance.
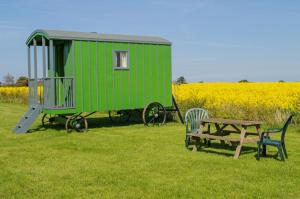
(58, 92)
(53, 93)
(46, 78)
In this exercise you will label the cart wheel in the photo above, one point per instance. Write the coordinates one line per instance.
(155, 114)
(79, 124)
(119, 116)
(47, 120)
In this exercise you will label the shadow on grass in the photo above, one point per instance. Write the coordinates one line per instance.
(269, 156)
(93, 123)
(214, 147)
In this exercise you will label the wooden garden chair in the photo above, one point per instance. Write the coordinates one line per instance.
(192, 120)
(280, 144)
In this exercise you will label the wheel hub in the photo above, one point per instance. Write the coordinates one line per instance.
(77, 126)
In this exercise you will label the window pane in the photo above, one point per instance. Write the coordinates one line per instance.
(118, 59)
(123, 57)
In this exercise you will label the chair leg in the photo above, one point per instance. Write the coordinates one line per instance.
(284, 150)
(258, 151)
(187, 141)
(280, 153)
(264, 152)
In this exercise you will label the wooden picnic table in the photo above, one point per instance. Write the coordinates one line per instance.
(222, 132)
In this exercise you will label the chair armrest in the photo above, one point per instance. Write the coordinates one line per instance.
(273, 130)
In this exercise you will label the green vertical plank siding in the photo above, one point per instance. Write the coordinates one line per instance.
(102, 87)
(85, 77)
(136, 84)
(147, 71)
(164, 68)
(110, 76)
(159, 73)
(94, 73)
(155, 78)
(132, 79)
(99, 87)
(141, 76)
(168, 77)
(78, 76)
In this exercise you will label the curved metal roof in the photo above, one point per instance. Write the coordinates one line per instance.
(93, 36)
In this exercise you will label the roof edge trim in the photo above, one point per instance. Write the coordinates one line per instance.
(92, 36)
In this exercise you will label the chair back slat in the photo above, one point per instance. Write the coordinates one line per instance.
(285, 126)
(193, 117)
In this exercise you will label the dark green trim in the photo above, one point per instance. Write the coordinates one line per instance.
(35, 34)
(59, 111)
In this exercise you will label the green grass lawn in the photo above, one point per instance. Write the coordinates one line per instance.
(134, 161)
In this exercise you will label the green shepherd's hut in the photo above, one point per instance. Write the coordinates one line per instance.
(87, 72)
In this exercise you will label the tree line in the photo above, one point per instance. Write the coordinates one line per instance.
(9, 80)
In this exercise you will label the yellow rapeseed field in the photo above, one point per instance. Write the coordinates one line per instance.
(271, 95)
(15, 94)
(271, 101)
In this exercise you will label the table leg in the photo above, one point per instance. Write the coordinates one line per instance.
(195, 148)
(197, 144)
(239, 147)
(208, 131)
(219, 131)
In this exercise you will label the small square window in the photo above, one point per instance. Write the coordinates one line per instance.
(121, 60)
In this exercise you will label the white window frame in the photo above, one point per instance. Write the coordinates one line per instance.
(115, 57)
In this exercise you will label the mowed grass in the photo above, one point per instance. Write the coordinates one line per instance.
(134, 161)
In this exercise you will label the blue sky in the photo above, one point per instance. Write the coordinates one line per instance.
(222, 40)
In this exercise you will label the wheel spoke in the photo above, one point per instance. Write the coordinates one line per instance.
(153, 118)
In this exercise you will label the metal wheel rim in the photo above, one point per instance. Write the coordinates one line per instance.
(155, 114)
(71, 121)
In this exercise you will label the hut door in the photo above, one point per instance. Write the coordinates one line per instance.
(64, 86)
(60, 71)
(59, 74)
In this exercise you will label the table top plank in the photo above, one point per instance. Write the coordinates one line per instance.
(231, 121)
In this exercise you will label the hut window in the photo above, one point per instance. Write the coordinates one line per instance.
(121, 59)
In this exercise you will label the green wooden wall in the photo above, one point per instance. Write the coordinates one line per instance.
(100, 87)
